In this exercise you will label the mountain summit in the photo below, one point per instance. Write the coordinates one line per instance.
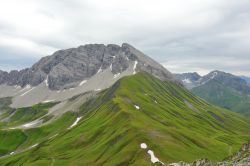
(97, 66)
(66, 67)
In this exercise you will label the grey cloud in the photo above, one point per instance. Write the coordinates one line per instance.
(182, 35)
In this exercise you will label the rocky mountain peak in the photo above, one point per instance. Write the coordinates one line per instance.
(65, 68)
(224, 77)
(189, 79)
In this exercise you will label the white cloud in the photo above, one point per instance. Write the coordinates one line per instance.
(22, 44)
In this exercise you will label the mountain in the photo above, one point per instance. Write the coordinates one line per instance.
(247, 79)
(223, 89)
(139, 120)
(63, 74)
(190, 80)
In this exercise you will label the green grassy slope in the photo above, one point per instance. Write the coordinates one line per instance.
(27, 114)
(224, 96)
(13, 117)
(17, 139)
(173, 123)
(10, 140)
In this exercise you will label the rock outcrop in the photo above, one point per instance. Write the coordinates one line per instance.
(241, 158)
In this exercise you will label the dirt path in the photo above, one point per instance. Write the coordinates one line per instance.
(18, 151)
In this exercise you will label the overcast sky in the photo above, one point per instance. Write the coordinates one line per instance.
(183, 35)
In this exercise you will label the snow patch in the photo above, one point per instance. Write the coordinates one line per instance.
(154, 159)
(214, 74)
(212, 77)
(98, 89)
(25, 88)
(116, 75)
(111, 68)
(136, 62)
(143, 146)
(30, 124)
(46, 81)
(27, 91)
(186, 80)
(83, 82)
(137, 107)
(100, 70)
(75, 123)
(48, 101)
(17, 87)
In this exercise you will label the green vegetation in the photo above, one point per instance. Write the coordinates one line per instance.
(174, 123)
(224, 96)
(27, 114)
(10, 140)
(16, 139)
(15, 117)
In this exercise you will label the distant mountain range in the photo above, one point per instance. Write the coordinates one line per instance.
(247, 79)
(220, 88)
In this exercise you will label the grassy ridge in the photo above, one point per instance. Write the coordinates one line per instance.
(173, 123)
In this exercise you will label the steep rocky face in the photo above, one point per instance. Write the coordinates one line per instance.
(227, 79)
(66, 67)
(3, 76)
(188, 76)
(190, 80)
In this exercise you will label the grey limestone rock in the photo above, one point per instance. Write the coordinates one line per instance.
(66, 67)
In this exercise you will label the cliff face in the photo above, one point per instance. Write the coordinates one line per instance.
(65, 67)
